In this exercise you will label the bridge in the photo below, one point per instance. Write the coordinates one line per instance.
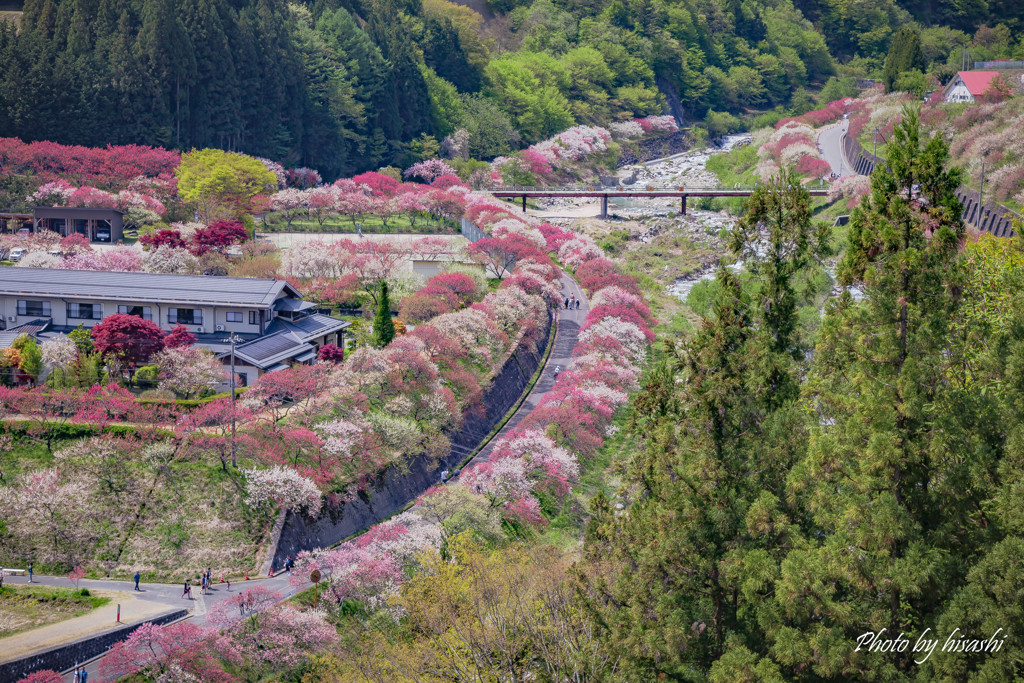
(604, 193)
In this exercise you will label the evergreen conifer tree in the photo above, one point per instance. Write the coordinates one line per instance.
(383, 325)
(904, 55)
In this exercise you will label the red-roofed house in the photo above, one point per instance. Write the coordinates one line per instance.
(968, 86)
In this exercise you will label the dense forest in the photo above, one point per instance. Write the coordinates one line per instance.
(347, 85)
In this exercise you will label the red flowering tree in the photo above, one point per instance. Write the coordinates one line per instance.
(161, 238)
(218, 236)
(331, 353)
(179, 336)
(379, 184)
(128, 339)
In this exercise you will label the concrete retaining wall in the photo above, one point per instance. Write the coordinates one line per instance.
(396, 487)
(64, 657)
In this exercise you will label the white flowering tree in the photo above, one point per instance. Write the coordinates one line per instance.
(59, 353)
(281, 487)
(186, 370)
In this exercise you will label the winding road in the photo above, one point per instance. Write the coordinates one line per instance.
(155, 599)
(830, 142)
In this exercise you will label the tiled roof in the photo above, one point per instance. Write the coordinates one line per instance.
(141, 287)
(271, 349)
(311, 326)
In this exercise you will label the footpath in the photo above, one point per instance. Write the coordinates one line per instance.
(569, 324)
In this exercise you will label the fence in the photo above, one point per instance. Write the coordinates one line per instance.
(1000, 64)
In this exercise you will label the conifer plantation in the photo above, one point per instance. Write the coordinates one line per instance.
(783, 507)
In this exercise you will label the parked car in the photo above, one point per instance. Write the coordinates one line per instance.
(24, 232)
(17, 253)
(55, 251)
(103, 235)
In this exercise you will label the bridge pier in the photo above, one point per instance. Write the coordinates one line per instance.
(524, 203)
(682, 211)
(604, 206)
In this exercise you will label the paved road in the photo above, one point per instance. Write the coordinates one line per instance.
(165, 595)
(569, 323)
(830, 142)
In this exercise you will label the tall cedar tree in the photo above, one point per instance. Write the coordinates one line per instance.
(881, 479)
(904, 55)
(681, 575)
(383, 325)
(781, 209)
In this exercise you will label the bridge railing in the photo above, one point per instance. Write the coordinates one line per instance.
(636, 187)
(639, 187)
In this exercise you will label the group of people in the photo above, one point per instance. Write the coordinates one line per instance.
(205, 583)
(81, 675)
(572, 302)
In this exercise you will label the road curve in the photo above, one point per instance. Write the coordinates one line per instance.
(830, 143)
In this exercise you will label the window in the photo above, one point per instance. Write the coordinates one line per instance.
(185, 316)
(253, 320)
(85, 311)
(234, 316)
(144, 312)
(37, 308)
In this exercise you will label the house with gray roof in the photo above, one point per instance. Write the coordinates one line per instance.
(273, 327)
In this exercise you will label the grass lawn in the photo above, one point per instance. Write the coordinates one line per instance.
(401, 224)
(26, 607)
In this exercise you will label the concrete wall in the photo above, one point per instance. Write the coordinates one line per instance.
(65, 657)
(395, 488)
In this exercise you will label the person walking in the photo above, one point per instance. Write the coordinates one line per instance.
(566, 303)
(78, 675)
(136, 577)
(85, 675)
(30, 572)
(577, 304)
(185, 589)
(558, 369)
(572, 301)
(227, 580)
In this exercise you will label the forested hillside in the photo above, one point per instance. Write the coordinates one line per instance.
(344, 86)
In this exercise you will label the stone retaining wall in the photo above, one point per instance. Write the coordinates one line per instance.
(645, 149)
(64, 657)
(396, 487)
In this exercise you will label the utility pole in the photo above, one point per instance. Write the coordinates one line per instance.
(233, 339)
(874, 146)
(981, 192)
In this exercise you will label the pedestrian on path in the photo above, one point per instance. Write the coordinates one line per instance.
(444, 475)
(577, 304)
(85, 675)
(228, 582)
(572, 301)
(558, 369)
(567, 303)
(186, 589)
(30, 572)
(78, 675)
(136, 577)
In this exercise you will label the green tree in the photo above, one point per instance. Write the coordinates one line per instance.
(31, 356)
(383, 325)
(781, 209)
(82, 338)
(884, 477)
(904, 55)
(222, 183)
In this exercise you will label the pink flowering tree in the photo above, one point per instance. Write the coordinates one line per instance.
(158, 650)
(429, 169)
(45, 676)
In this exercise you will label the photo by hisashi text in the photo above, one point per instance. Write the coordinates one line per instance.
(927, 642)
